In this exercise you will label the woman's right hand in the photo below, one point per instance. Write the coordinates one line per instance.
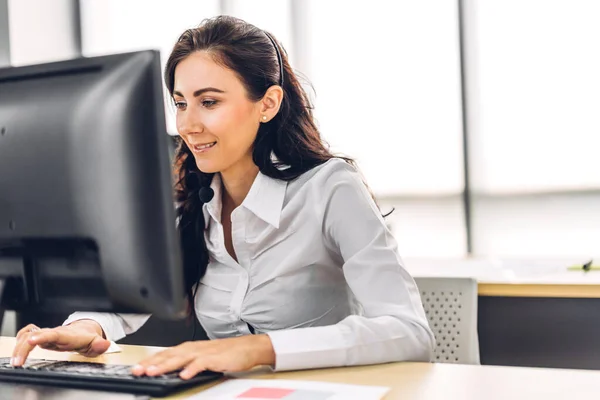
(82, 336)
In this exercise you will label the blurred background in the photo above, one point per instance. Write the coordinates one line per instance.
(477, 120)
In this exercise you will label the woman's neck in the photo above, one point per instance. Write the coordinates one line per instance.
(237, 182)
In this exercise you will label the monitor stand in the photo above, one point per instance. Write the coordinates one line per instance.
(52, 277)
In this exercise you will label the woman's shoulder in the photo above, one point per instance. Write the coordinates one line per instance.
(326, 177)
(331, 170)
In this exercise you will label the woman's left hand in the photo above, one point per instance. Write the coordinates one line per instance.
(219, 355)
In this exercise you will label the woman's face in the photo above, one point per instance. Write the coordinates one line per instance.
(215, 118)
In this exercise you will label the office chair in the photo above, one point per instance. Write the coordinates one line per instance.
(451, 308)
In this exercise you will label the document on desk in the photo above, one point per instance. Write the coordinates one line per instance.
(113, 348)
(260, 389)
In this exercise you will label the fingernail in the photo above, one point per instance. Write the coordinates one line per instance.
(17, 361)
(33, 338)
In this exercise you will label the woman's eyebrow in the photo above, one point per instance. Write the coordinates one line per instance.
(200, 91)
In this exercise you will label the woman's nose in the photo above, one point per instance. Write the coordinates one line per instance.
(188, 124)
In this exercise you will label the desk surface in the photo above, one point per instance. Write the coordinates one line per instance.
(420, 381)
(515, 278)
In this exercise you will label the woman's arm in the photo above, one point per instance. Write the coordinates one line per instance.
(393, 325)
(114, 326)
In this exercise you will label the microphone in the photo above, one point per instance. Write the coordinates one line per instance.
(206, 194)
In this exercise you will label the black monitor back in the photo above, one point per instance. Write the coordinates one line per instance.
(85, 187)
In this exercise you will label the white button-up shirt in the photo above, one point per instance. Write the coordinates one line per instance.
(317, 270)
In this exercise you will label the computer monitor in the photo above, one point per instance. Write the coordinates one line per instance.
(87, 218)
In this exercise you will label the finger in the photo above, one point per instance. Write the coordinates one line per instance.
(98, 346)
(44, 336)
(169, 364)
(29, 328)
(62, 339)
(51, 339)
(141, 367)
(21, 351)
(25, 345)
(158, 358)
(193, 368)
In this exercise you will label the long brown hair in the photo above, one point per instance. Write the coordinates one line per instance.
(291, 136)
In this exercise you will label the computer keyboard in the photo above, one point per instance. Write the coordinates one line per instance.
(95, 376)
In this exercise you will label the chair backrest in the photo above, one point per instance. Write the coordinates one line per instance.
(451, 308)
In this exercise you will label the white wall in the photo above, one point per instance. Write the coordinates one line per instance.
(427, 227)
(536, 125)
(41, 31)
(538, 225)
(387, 82)
(387, 79)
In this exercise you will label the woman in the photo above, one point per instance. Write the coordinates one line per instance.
(287, 259)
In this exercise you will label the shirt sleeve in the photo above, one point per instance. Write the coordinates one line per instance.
(115, 326)
(392, 325)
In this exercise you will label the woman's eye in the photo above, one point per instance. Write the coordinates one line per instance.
(209, 103)
(180, 105)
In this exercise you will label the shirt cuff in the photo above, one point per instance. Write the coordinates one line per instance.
(112, 328)
(305, 348)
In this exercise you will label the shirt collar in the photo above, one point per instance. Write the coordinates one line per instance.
(265, 199)
(213, 207)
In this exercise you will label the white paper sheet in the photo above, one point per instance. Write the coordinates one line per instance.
(114, 348)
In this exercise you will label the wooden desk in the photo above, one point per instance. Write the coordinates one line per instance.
(408, 380)
(539, 290)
